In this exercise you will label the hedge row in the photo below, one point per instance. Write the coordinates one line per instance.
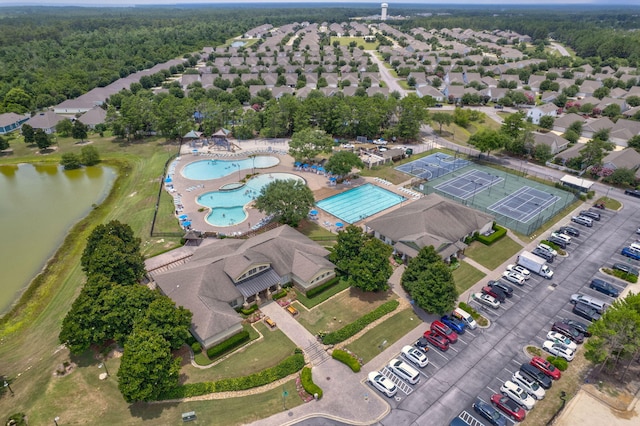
(317, 290)
(226, 345)
(307, 383)
(290, 365)
(346, 358)
(279, 295)
(621, 274)
(560, 363)
(498, 233)
(351, 329)
(251, 309)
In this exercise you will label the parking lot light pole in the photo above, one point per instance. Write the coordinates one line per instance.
(607, 196)
(8, 386)
(56, 419)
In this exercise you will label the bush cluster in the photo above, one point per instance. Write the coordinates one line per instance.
(351, 329)
(288, 366)
(196, 347)
(346, 358)
(498, 233)
(229, 344)
(279, 295)
(307, 383)
(251, 309)
(560, 363)
(317, 290)
(621, 274)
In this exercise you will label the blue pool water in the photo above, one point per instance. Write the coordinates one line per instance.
(215, 169)
(227, 207)
(359, 203)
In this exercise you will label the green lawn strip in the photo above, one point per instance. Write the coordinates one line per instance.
(465, 276)
(494, 255)
(368, 345)
(247, 360)
(343, 309)
(316, 232)
(610, 203)
(316, 300)
(202, 359)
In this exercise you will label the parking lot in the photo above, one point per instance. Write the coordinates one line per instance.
(483, 359)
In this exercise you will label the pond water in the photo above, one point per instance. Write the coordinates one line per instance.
(38, 206)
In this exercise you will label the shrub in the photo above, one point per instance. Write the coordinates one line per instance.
(560, 363)
(534, 350)
(482, 321)
(251, 309)
(317, 290)
(279, 295)
(498, 233)
(307, 383)
(196, 347)
(346, 358)
(591, 194)
(621, 274)
(229, 344)
(351, 329)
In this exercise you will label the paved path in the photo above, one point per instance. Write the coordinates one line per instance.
(476, 265)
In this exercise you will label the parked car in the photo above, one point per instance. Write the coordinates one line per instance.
(546, 367)
(380, 141)
(529, 384)
(514, 277)
(518, 394)
(415, 355)
(631, 252)
(586, 312)
(569, 331)
(604, 287)
(519, 270)
(348, 146)
(438, 105)
(454, 323)
(506, 288)
(558, 241)
(537, 375)
(590, 214)
(548, 248)
(594, 302)
(558, 349)
(580, 326)
(632, 192)
(382, 383)
(404, 371)
(485, 299)
(569, 230)
(509, 407)
(489, 413)
(625, 268)
(581, 220)
(562, 339)
(495, 292)
(422, 344)
(565, 237)
(543, 254)
(437, 340)
(444, 330)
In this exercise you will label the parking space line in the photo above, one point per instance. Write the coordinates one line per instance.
(492, 391)
(434, 365)
(460, 340)
(440, 353)
(470, 333)
(453, 349)
(401, 384)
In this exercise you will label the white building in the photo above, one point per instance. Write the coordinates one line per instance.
(383, 15)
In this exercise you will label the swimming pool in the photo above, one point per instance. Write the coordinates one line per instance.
(227, 207)
(359, 203)
(215, 169)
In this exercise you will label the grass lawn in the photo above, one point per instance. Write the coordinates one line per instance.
(494, 255)
(368, 345)
(316, 300)
(247, 360)
(316, 232)
(202, 358)
(345, 41)
(466, 276)
(343, 309)
(610, 203)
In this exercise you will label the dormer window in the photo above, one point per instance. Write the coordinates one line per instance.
(251, 272)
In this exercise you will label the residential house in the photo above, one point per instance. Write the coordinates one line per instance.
(11, 121)
(562, 123)
(593, 126)
(588, 87)
(537, 112)
(571, 152)
(437, 95)
(624, 130)
(46, 121)
(556, 142)
(627, 158)
(93, 117)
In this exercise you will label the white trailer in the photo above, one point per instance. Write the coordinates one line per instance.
(535, 264)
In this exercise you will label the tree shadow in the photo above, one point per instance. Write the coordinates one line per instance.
(145, 411)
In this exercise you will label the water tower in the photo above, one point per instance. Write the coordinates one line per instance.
(383, 15)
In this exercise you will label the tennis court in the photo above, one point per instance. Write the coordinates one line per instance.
(469, 184)
(433, 166)
(524, 204)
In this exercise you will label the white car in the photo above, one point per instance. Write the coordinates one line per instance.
(518, 394)
(562, 339)
(380, 142)
(528, 384)
(415, 355)
(548, 248)
(486, 299)
(563, 237)
(519, 270)
(558, 349)
(348, 145)
(382, 383)
(513, 277)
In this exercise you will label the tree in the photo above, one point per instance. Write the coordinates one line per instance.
(441, 118)
(487, 140)
(342, 162)
(347, 248)
(611, 110)
(147, 368)
(28, 133)
(4, 144)
(42, 139)
(70, 161)
(622, 176)
(634, 143)
(165, 319)
(429, 282)
(542, 153)
(546, 122)
(289, 200)
(513, 125)
(593, 152)
(123, 306)
(411, 115)
(371, 269)
(79, 130)
(308, 143)
(64, 127)
(89, 156)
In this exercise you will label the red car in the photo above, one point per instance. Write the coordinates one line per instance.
(546, 367)
(495, 292)
(437, 340)
(444, 330)
(508, 406)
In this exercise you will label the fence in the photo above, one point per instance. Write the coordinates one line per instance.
(152, 232)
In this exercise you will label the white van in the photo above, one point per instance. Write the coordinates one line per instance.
(404, 371)
(464, 316)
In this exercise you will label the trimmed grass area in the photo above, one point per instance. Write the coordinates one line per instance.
(345, 41)
(314, 301)
(494, 255)
(610, 203)
(368, 345)
(202, 359)
(465, 276)
(317, 232)
(343, 309)
(248, 360)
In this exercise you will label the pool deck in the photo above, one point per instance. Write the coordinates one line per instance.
(318, 183)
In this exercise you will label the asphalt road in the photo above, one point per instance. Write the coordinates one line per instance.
(385, 75)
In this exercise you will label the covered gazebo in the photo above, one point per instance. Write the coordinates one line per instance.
(219, 138)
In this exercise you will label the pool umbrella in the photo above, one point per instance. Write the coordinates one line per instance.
(314, 167)
(182, 216)
(320, 169)
(339, 224)
(313, 212)
(168, 179)
(297, 164)
(305, 166)
(186, 223)
(332, 179)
